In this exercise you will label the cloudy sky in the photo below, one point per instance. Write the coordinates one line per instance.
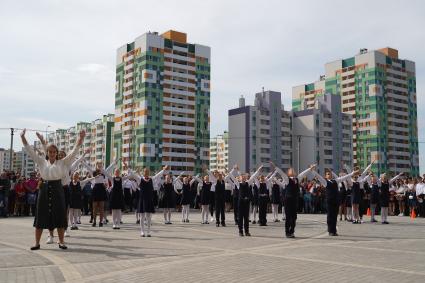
(57, 58)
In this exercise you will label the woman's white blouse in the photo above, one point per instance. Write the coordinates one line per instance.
(56, 171)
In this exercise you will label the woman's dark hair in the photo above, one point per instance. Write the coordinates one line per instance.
(56, 148)
(96, 172)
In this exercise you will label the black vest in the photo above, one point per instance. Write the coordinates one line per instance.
(331, 191)
(292, 188)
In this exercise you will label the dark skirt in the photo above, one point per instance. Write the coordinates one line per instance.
(275, 196)
(116, 198)
(168, 199)
(76, 199)
(355, 196)
(51, 209)
(99, 193)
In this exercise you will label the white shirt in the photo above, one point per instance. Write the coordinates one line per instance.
(56, 171)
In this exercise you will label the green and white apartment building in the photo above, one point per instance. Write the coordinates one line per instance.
(162, 103)
(379, 90)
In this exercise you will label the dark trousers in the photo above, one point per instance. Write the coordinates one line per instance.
(291, 215)
(332, 216)
(86, 204)
(243, 220)
(236, 209)
(219, 210)
(262, 210)
(212, 207)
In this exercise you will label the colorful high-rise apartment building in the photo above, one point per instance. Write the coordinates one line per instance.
(162, 103)
(379, 90)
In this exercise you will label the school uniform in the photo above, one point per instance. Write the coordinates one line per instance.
(116, 196)
(168, 199)
(146, 195)
(374, 200)
(332, 202)
(235, 196)
(263, 200)
(245, 196)
(291, 205)
(220, 189)
(355, 193)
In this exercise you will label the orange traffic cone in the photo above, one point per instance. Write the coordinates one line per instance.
(368, 212)
(413, 214)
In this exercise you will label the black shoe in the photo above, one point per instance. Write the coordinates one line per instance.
(385, 222)
(223, 224)
(91, 221)
(217, 224)
(247, 234)
(254, 222)
(333, 234)
(138, 222)
(100, 224)
(240, 234)
(291, 236)
(373, 221)
(187, 220)
(62, 246)
(34, 248)
(94, 224)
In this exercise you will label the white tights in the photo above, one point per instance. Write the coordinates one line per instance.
(254, 209)
(384, 214)
(167, 214)
(74, 213)
(275, 211)
(116, 217)
(148, 217)
(204, 213)
(185, 212)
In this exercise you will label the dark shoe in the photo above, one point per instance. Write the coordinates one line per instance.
(333, 234)
(187, 220)
(138, 222)
(217, 224)
(223, 224)
(34, 248)
(100, 224)
(91, 221)
(62, 246)
(240, 234)
(247, 234)
(385, 222)
(373, 221)
(94, 224)
(291, 236)
(254, 222)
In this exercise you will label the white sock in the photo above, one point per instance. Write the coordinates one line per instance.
(148, 222)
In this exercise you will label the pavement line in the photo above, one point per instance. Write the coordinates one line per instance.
(339, 263)
(67, 269)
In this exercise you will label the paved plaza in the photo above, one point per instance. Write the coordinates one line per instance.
(192, 252)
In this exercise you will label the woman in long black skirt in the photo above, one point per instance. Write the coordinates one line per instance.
(51, 211)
